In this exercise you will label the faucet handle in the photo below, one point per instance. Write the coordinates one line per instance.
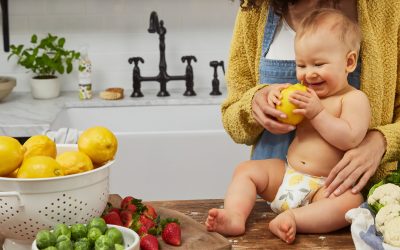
(135, 60)
(188, 59)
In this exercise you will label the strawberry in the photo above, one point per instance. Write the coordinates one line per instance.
(148, 242)
(132, 204)
(112, 218)
(126, 218)
(150, 212)
(171, 232)
(146, 222)
(141, 224)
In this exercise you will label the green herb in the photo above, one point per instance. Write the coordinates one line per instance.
(45, 57)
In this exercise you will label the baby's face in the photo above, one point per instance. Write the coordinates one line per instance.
(321, 60)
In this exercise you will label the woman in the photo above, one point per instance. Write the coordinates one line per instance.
(260, 55)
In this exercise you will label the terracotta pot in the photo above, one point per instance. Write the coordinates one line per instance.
(45, 88)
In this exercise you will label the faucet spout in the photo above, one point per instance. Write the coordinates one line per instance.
(156, 25)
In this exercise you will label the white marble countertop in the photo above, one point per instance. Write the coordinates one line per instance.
(23, 116)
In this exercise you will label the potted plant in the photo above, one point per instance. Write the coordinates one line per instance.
(44, 59)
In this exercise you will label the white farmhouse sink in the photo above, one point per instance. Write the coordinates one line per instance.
(165, 152)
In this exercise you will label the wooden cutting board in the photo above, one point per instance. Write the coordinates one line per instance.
(194, 235)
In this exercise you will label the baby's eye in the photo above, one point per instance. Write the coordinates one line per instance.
(319, 64)
(300, 66)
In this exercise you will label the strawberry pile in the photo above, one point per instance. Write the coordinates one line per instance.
(143, 219)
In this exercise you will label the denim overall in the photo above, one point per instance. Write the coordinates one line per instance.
(281, 71)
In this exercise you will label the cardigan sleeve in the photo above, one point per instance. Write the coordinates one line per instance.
(392, 131)
(242, 83)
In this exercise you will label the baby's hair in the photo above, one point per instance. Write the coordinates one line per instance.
(348, 31)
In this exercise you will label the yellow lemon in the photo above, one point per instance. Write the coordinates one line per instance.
(39, 167)
(13, 174)
(40, 145)
(11, 155)
(287, 107)
(74, 162)
(284, 206)
(99, 143)
(314, 185)
(295, 179)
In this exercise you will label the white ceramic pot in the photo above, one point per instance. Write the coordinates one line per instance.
(45, 88)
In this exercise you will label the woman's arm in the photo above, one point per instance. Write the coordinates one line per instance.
(242, 84)
(246, 112)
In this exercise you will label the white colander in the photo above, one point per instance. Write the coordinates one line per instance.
(28, 205)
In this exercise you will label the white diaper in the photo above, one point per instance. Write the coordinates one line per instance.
(297, 189)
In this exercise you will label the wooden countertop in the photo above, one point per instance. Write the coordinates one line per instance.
(257, 235)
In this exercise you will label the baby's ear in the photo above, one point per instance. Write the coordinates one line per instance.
(351, 61)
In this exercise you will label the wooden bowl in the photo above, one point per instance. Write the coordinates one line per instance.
(6, 86)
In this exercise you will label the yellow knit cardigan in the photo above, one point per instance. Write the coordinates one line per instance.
(380, 74)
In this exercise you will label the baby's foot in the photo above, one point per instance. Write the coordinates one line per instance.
(225, 222)
(284, 226)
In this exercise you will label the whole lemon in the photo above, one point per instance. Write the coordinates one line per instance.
(287, 107)
(40, 145)
(39, 167)
(11, 155)
(74, 162)
(99, 143)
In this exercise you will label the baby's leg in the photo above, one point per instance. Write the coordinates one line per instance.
(323, 215)
(250, 178)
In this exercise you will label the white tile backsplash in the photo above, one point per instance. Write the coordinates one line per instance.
(115, 30)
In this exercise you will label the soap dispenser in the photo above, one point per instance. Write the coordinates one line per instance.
(85, 76)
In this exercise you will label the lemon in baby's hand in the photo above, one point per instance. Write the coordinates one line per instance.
(287, 107)
(99, 143)
(11, 155)
(39, 167)
(40, 145)
(74, 162)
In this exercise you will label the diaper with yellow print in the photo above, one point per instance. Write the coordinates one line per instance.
(296, 190)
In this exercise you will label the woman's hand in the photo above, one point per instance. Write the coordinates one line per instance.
(265, 113)
(357, 165)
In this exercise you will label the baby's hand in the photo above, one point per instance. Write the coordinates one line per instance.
(274, 94)
(308, 103)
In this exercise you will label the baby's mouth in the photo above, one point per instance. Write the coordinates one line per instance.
(315, 84)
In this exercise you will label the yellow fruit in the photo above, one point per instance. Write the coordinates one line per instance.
(13, 174)
(74, 162)
(287, 107)
(40, 145)
(39, 167)
(99, 143)
(11, 155)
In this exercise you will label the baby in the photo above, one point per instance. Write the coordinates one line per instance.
(337, 117)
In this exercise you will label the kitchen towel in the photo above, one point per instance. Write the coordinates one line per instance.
(363, 230)
(63, 135)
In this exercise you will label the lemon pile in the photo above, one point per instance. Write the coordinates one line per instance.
(38, 158)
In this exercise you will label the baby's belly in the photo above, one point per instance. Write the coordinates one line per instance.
(315, 157)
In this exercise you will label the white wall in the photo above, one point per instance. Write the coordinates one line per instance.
(115, 30)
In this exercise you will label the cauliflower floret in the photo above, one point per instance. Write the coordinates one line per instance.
(383, 195)
(386, 214)
(391, 235)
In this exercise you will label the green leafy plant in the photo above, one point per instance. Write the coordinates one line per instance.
(45, 57)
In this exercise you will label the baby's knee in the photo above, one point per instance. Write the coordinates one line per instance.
(243, 169)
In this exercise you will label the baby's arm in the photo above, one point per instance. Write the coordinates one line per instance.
(344, 132)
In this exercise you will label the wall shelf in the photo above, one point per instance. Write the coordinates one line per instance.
(6, 30)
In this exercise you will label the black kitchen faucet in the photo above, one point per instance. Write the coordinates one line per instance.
(162, 77)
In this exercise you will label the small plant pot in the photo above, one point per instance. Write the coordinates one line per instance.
(45, 88)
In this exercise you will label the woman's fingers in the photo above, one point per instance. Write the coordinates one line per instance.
(362, 182)
(333, 181)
